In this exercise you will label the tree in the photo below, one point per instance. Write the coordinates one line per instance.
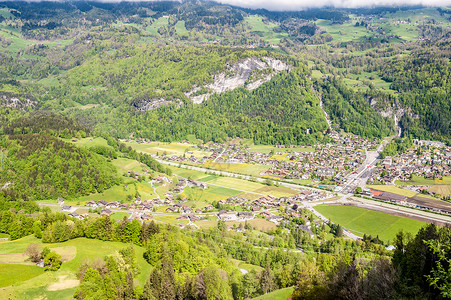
(267, 283)
(52, 261)
(33, 251)
(358, 190)
(440, 277)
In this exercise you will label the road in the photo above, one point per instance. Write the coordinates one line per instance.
(364, 171)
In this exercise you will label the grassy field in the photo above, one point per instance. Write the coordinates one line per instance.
(281, 294)
(360, 221)
(153, 29)
(119, 215)
(59, 284)
(393, 189)
(400, 191)
(443, 190)
(89, 141)
(237, 184)
(243, 265)
(5, 13)
(416, 180)
(246, 169)
(345, 32)
(169, 149)
(265, 29)
(200, 197)
(14, 273)
(180, 27)
(116, 193)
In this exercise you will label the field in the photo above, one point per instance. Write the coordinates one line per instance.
(153, 29)
(443, 190)
(34, 283)
(400, 191)
(180, 27)
(89, 141)
(360, 221)
(281, 294)
(416, 180)
(345, 32)
(265, 29)
(393, 189)
(13, 273)
(169, 149)
(254, 189)
(246, 169)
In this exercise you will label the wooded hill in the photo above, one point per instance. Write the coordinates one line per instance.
(128, 68)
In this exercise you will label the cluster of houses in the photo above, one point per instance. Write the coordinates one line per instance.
(326, 161)
(424, 160)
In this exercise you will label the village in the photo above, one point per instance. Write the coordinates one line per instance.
(426, 159)
(329, 162)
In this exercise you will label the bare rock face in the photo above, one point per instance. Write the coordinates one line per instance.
(15, 102)
(251, 73)
(150, 104)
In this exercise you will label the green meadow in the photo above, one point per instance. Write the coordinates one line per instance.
(281, 294)
(30, 282)
(359, 221)
(153, 29)
(265, 29)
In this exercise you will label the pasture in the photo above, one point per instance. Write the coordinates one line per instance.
(32, 283)
(14, 273)
(281, 294)
(170, 149)
(180, 27)
(359, 221)
(417, 180)
(265, 29)
(153, 29)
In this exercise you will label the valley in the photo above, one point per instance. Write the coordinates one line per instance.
(197, 150)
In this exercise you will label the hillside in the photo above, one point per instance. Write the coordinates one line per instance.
(119, 68)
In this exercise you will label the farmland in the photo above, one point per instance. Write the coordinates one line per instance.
(360, 221)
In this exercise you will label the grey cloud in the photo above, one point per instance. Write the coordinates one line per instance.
(304, 4)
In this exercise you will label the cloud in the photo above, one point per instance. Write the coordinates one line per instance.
(280, 5)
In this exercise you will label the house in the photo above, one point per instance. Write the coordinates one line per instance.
(60, 201)
(245, 215)
(66, 208)
(105, 212)
(265, 214)
(209, 207)
(146, 217)
(73, 214)
(112, 204)
(171, 209)
(221, 213)
(102, 203)
(92, 203)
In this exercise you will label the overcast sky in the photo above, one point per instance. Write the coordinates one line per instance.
(303, 4)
